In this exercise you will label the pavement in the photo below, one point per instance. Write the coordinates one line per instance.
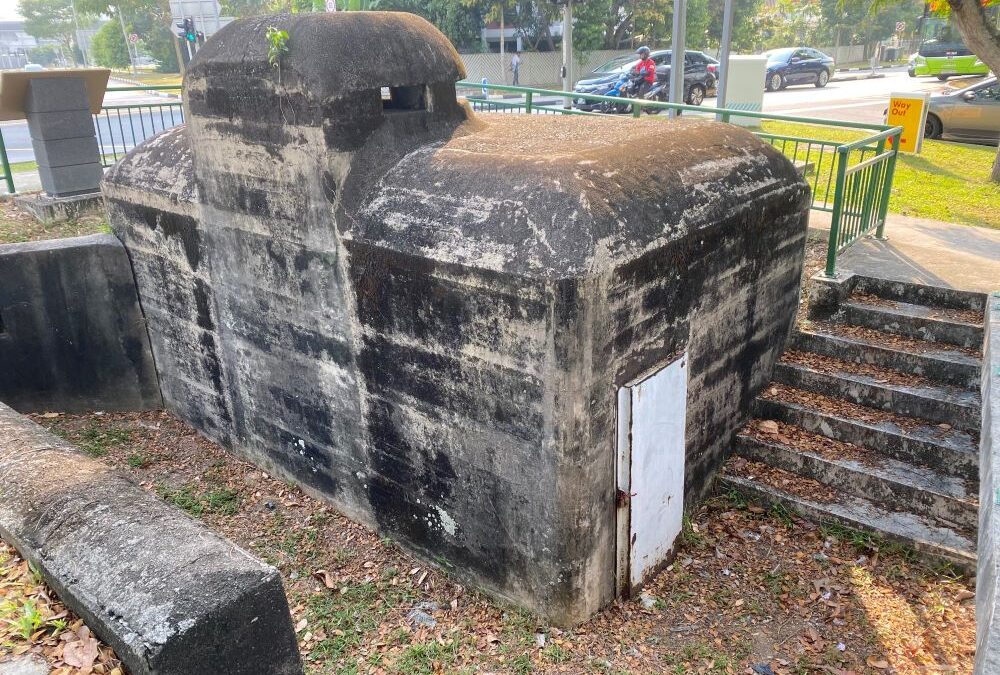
(924, 251)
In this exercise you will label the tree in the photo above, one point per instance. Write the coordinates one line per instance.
(978, 32)
(128, 12)
(50, 20)
(45, 55)
(109, 48)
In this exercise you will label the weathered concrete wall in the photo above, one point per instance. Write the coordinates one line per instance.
(988, 550)
(424, 317)
(168, 594)
(72, 335)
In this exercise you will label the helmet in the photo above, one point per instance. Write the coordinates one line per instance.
(642, 51)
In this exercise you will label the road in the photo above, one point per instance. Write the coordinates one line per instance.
(853, 101)
(123, 129)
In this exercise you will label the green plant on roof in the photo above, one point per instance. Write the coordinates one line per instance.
(277, 45)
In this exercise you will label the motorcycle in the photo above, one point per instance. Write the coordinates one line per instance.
(627, 86)
(660, 91)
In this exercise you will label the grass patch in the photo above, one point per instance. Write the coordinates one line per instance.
(96, 440)
(221, 500)
(946, 181)
(349, 614)
(157, 79)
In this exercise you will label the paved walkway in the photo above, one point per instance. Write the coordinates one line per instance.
(925, 251)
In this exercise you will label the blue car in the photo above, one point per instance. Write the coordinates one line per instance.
(797, 65)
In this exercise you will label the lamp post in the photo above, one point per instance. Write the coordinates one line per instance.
(724, 49)
(566, 75)
(677, 55)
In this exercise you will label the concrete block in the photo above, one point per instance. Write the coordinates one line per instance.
(75, 179)
(826, 293)
(168, 594)
(72, 336)
(988, 570)
(66, 151)
(56, 94)
(47, 209)
(48, 126)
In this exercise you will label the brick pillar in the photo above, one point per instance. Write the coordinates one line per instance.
(62, 134)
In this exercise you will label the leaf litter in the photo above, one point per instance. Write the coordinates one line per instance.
(750, 587)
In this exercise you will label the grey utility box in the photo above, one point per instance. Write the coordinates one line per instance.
(471, 332)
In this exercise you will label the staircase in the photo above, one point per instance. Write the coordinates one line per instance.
(872, 419)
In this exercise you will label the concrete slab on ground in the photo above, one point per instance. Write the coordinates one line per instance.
(921, 250)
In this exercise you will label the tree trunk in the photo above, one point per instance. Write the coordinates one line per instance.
(503, 39)
(984, 41)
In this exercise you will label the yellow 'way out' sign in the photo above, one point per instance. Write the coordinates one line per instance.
(910, 112)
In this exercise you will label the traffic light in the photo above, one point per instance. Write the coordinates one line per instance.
(187, 31)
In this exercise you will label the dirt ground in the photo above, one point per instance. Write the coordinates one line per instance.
(17, 225)
(750, 587)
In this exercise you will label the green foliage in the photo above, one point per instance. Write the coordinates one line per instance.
(222, 500)
(277, 45)
(45, 55)
(157, 41)
(28, 620)
(108, 46)
(50, 20)
(96, 439)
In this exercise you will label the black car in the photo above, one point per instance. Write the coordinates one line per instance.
(698, 79)
(797, 65)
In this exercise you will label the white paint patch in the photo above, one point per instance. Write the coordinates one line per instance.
(447, 522)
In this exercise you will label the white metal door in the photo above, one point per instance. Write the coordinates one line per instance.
(651, 418)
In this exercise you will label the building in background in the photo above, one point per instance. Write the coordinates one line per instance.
(15, 44)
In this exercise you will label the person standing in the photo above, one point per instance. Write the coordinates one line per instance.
(515, 67)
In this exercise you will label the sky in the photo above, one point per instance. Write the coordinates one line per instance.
(8, 10)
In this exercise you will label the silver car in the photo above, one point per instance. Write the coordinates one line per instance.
(970, 114)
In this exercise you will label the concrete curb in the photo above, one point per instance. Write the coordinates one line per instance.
(988, 572)
(168, 594)
(853, 78)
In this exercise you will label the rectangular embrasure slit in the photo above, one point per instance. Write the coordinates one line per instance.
(405, 98)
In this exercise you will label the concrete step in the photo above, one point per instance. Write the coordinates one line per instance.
(945, 500)
(920, 294)
(933, 541)
(941, 404)
(948, 366)
(951, 452)
(916, 321)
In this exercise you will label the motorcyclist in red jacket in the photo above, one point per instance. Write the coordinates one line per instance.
(647, 69)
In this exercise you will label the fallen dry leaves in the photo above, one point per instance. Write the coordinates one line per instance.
(34, 622)
(749, 587)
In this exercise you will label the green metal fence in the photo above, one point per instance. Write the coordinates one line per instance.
(851, 180)
(120, 127)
